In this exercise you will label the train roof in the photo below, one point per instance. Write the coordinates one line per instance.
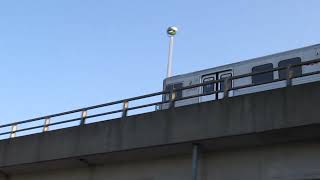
(242, 62)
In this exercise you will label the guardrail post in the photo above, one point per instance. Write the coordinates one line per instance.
(226, 87)
(125, 108)
(46, 125)
(172, 98)
(14, 131)
(83, 117)
(289, 75)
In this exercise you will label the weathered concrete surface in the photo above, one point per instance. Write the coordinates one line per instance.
(294, 161)
(265, 118)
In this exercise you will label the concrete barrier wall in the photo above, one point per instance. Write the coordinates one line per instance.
(249, 114)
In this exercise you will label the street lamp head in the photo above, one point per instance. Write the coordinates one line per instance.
(171, 31)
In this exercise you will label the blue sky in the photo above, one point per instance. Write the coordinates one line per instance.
(63, 54)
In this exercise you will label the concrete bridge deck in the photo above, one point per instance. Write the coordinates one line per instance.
(266, 135)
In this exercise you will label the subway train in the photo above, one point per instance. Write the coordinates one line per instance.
(264, 63)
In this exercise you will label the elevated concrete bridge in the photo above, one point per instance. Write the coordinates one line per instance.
(266, 135)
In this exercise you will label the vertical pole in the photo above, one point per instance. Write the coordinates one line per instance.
(169, 66)
(83, 117)
(289, 75)
(125, 108)
(13, 131)
(172, 97)
(226, 87)
(46, 125)
(195, 159)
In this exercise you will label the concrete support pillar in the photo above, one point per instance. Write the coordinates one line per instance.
(195, 159)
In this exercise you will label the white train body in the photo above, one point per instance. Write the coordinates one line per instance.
(244, 67)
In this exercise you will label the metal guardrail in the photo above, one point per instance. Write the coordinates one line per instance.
(83, 112)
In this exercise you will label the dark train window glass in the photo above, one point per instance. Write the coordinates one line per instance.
(224, 76)
(265, 77)
(210, 87)
(170, 87)
(297, 71)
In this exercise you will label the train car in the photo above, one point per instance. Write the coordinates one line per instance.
(264, 63)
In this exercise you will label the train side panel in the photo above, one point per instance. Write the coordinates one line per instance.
(245, 67)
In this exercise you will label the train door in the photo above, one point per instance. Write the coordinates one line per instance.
(214, 87)
(208, 88)
(221, 85)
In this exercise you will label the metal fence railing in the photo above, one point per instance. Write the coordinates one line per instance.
(11, 129)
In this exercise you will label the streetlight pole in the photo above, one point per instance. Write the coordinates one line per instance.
(171, 31)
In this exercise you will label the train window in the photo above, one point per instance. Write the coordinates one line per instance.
(264, 77)
(297, 71)
(169, 87)
(224, 76)
(208, 88)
